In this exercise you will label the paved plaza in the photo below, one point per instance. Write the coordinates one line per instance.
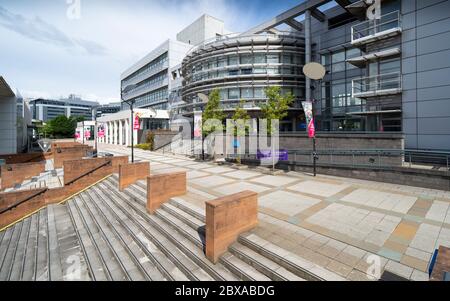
(337, 223)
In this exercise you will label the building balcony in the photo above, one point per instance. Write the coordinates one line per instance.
(370, 31)
(379, 85)
(361, 61)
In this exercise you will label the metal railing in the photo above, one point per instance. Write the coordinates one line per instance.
(370, 28)
(371, 158)
(383, 83)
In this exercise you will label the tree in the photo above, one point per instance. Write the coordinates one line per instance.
(61, 127)
(212, 111)
(276, 107)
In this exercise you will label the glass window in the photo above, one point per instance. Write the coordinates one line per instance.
(273, 70)
(259, 71)
(233, 93)
(338, 57)
(247, 92)
(353, 52)
(325, 59)
(259, 93)
(246, 71)
(223, 94)
(259, 58)
(273, 58)
(287, 58)
(389, 66)
(339, 95)
(339, 67)
(222, 62)
(246, 59)
(233, 60)
(233, 72)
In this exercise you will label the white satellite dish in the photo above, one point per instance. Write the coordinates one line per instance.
(314, 71)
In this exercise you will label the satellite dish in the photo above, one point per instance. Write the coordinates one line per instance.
(314, 71)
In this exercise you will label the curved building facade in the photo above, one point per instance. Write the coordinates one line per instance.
(241, 67)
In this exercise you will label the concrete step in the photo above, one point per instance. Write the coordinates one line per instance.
(7, 261)
(288, 260)
(28, 270)
(184, 244)
(139, 257)
(42, 260)
(173, 264)
(69, 247)
(103, 241)
(117, 246)
(266, 266)
(98, 269)
(197, 212)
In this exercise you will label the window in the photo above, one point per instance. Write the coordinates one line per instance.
(259, 71)
(338, 57)
(287, 59)
(222, 62)
(247, 93)
(246, 59)
(353, 52)
(233, 60)
(259, 93)
(339, 67)
(259, 58)
(273, 59)
(233, 93)
(246, 71)
(233, 72)
(325, 58)
(339, 95)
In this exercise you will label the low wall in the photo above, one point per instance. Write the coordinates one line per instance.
(433, 179)
(66, 144)
(226, 219)
(57, 195)
(132, 172)
(73, 169)
(62, 154)
(26, 158)
(12, 174)
(160, 188)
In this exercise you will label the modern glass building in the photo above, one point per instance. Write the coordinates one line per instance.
(47, 109)
(386, 75)
(242, 67)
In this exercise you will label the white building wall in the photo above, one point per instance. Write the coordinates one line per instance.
(204, 28)
(8, 125)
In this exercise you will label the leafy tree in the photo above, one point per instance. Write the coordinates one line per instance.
(241, 114)
(212, 111)
(61, 127)
(276, 107)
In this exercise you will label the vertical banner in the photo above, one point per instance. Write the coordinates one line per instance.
(198, 120)
(308, 108)
(101, 132)
(137, 123)
(87, 134)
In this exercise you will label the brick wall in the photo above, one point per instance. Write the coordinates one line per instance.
(73, 169)
(26, 158)
(132, 172)
(226, 219)
(12, 174)
(62, 154)
(160, 188)
(53, 196)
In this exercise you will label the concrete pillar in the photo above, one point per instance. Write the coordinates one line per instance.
(108, 133)
(115, 140)
(308, 51)
(121, 132)
(127, 132)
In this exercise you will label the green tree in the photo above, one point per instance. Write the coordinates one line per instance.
(213, 111)
(276, 107)
(241, 114)
(61, 127)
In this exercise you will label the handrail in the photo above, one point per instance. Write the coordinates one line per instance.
(10, 207)
(109, 162)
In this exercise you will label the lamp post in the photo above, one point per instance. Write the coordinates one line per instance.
(314, 71)
(131, 103)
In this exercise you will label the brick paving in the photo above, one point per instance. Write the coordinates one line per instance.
(338, 223)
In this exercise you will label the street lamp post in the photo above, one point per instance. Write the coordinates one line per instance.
(131, 103)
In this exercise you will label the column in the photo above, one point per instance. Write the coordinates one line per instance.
(127, 132)
(108, 133)
(120, 132)
(308, 51)
(115, 133)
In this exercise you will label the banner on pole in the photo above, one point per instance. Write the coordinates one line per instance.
(198, 120)
(308, 108)
(137, 123)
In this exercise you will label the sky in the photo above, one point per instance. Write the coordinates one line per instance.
(53, 48)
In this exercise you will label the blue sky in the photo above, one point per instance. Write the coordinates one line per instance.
(45, 52)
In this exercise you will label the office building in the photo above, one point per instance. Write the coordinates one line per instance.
(391, 74)
(47, 109)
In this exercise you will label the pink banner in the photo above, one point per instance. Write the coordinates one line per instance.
(137, 123)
